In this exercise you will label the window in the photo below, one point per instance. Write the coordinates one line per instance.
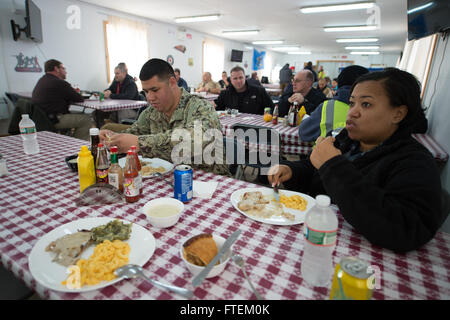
(213, 58)
(125, 41)
(417, 56)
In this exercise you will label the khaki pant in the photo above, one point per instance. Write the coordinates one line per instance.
(116, 127)
(79, 121)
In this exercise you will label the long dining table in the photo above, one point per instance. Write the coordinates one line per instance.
(39, 194)
(290, 142)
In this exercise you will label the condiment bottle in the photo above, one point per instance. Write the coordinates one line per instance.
(86, 170)
(139, 167)
(275, 115)
(115, 172)
(293, 115)
(102, 164)
(94, 134)
(130, 174)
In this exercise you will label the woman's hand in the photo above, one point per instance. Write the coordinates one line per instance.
(278, 174)
(323, 151)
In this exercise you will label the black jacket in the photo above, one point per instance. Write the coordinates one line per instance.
(391, 194)
(127, 89)
(54, 95)
(312, 100)
(253, 100)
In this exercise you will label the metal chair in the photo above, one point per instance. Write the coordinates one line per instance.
(255, 146)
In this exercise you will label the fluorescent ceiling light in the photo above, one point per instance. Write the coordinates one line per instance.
(300, 52)
(351, 40)
(240, 32)
(286, 48)
(248, 48)
(337, 7)
(210, 17)
(429, 4)
(362, 47)
(364, 52)
(268, 42)
(350, 28)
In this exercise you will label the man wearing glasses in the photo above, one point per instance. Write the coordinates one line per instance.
(54, 95)
(303, 93)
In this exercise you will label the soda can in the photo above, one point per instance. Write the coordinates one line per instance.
(183, 183)
(351, 280)
(101, 97)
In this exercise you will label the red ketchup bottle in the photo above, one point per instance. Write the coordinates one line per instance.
(130, 175)
(139, 168)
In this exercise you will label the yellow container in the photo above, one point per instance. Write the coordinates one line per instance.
(86, 168)
(301, 113)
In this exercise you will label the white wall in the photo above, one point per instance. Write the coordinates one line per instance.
(83, 50)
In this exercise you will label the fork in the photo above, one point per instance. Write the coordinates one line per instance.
(241, 263)
(276, 194)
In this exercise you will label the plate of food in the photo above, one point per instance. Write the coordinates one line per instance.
(67, 259)
(151, 166)
(259, 204)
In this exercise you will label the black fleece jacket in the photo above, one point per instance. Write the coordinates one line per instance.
(127, 89)
(391, 194)
(253, 100)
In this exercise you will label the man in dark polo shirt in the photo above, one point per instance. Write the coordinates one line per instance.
(303, 93)
(54, 95)
(243, 96)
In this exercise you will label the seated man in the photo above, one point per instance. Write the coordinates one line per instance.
(303, 93)
(243, 96)
(123, 85)
(253, 80)
(157, 131)
(225, 81)
(207, 85)
(180, 81)
(331, 114)
(54, 95)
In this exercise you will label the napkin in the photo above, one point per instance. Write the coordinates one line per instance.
(204, 190)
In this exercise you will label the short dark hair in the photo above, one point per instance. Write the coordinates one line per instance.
(156, 67)
(177, 70)
(237, 68)
(50, 65)
(402, 88)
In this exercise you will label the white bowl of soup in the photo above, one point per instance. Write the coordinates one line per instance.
(163, 212)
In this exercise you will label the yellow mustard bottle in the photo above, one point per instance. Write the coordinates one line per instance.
(86, 168)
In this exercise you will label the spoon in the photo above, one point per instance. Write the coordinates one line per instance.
(131, 271)
(241, 263)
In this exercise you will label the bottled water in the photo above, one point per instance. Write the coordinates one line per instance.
(320, 230)
(29, 135)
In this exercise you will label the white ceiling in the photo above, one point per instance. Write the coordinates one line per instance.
(276, 20)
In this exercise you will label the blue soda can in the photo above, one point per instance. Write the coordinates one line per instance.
(183, 183)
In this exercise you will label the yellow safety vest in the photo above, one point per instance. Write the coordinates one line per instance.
(334, 115)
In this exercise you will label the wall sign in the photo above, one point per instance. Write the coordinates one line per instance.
(180, 48)
(170, 60)
(27, 64)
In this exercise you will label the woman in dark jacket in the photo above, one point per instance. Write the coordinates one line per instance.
(385, 183)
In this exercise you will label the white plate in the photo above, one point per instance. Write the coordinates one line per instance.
(51, 274)
(276, 220)
(154, 162)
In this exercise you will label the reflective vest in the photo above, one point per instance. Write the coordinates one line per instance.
(334, 115)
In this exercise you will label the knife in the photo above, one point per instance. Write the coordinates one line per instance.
(202, 275)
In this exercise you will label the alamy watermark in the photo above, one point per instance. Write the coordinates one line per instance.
(208, 146)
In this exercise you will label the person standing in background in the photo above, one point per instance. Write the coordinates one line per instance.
(285, 76)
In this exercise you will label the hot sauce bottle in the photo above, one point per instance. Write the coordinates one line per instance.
(139, 168)
(102, 164)
(130, 175)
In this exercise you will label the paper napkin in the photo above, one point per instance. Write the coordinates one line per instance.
(204, 190)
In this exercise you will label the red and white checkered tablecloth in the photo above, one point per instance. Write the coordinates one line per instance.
(290, 142)
(272, 253)
(112, 104)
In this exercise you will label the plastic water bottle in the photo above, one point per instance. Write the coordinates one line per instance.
(28, 132)
(320, 230)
